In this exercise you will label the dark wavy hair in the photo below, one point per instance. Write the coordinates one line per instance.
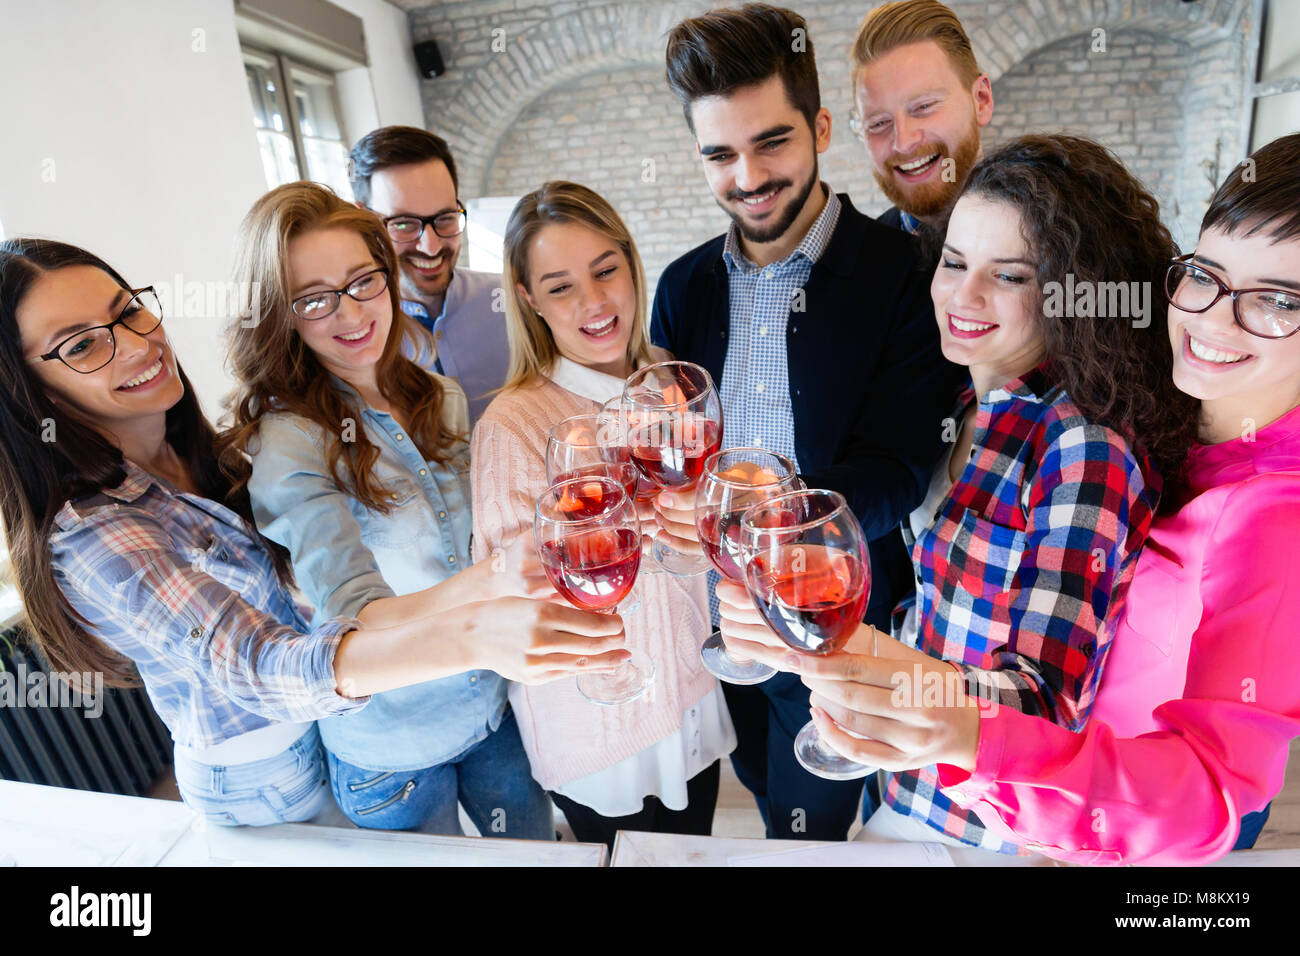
(1084, 214)
(38, 476)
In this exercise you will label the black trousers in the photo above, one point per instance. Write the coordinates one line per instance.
(697, 819)
(794, 804)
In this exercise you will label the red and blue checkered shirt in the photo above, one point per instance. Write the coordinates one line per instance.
(1027, 556)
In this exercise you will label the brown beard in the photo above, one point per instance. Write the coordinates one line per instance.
(932, 199)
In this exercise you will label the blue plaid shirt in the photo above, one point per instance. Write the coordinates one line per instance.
(174, 582)
(755, 388)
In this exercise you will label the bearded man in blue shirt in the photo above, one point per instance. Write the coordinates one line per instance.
(407, 177)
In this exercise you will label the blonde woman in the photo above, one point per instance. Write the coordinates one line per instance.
(359, 469)
(576, 316)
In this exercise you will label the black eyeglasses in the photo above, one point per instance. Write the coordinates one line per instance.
(318, 305)
(91, 349)
(410, 228)
(1267, 313)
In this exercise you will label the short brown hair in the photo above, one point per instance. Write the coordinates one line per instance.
(913, 21)
(1262, 196)
(725, 50)
(394, 146)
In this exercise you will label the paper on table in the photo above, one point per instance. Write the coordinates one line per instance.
(853, 854)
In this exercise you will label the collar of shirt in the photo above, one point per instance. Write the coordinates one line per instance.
(811, 246)
(1275, 447)
(450, 302)
(1035, 386)
(584, 381)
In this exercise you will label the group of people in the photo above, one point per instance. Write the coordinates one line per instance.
(1079, 523)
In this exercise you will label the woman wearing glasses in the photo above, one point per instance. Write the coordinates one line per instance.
(137, 558)
(1201, 695)
(360, 470)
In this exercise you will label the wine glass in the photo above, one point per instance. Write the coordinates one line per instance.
(611, 433)
(806, 567)
(734, 480)
(674, 421)
(591, 444)
(589, 541)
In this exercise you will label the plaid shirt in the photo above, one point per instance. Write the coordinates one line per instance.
(755, 389)
(174, 582)
(1027, 556)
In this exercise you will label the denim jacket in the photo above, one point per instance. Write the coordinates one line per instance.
(346, 555)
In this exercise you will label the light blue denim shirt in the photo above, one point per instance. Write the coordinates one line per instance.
(346, 555)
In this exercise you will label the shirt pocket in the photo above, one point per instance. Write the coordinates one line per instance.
(407, 519)
(238, 571)
(1160, 605)
(983, 556)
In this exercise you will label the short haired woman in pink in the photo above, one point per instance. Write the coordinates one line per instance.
(1200, 697)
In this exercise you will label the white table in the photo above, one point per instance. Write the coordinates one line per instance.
(672, 849)
(51, 826)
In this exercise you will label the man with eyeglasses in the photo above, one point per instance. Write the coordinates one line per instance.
(407, 177)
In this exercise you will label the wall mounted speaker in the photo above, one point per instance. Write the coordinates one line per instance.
(429, 59)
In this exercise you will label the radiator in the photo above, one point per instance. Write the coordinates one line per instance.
(123, 750)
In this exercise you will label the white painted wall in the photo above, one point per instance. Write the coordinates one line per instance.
(393, 77)
(127, 129)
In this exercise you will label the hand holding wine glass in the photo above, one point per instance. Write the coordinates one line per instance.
(674, 419)
(733, 481)
(806, 567)
(589, 541)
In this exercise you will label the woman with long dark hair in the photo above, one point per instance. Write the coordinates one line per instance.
(1200, 698)
(1029, 533)
(136, 556)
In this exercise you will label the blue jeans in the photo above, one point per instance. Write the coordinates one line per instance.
(492, 780)
(1251, 825)
(287, 788)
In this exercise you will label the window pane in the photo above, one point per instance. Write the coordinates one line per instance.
(278, 161)
(322, 133)
(1277, 115)
(271, 120)
(1280, 58)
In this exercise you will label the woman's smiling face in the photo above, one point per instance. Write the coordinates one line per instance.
(581, 283)
(984, 293)
(1215, 359)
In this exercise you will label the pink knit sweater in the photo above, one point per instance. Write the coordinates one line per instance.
(566, 736)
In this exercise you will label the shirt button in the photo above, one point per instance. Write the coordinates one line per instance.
(694, 752)
(452, 559)
(423, 472)
(760, 388)
(762, 330)
(442, 514)
(400, 436)
(692, 711)
(196, 633)
(473, 679)
(758, 442)
(438, 335)
(918, 579)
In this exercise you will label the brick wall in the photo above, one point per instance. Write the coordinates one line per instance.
(537, 91)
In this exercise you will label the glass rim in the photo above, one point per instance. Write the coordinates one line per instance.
(717, 455)
(595, 418)
(589, 519)
(840, 505)
(640, 374)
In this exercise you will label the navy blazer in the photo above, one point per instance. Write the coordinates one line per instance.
(869, 386)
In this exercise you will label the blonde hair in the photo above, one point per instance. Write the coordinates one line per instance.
(275, 370)
(913, 21)
(532, 346)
